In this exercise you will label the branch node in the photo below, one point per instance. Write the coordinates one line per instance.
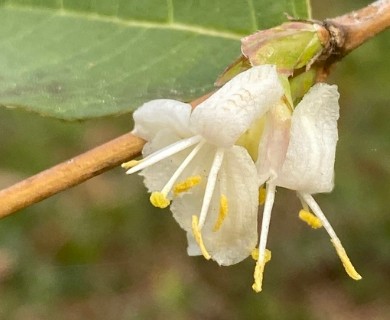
(337, 38)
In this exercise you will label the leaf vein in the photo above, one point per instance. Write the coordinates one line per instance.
(196, 29)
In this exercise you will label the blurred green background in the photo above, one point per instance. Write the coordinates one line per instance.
(101, 251)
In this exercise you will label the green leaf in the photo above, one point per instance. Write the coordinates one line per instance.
(82, 59)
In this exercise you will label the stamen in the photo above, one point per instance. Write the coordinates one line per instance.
(212, 179)
(262, 194)
(255, 254)
(258, 275)
(165, 190)
(303, 203)
(186, 185)
(198, 237)
(259, 269)
(223, 211)
(165, 153)
(349, 268)
(159, 200)
(310, 219)
(130, 164)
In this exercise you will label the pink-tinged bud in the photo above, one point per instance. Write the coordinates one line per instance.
(290, 46)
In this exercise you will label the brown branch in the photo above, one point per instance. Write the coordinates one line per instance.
(347, 33)
(357, 27)
(69, 173)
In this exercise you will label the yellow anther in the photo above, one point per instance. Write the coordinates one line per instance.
(255, 254)
(159, 200)
(186, 185)
(262, 194)
(198, 237)
(310, 219)
(259, 269)
(130, 164)
(258, 275)
(349, 268)
(223, 211)
(268, 255)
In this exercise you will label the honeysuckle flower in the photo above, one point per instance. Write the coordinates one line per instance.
(193, 160)
(298, 152)
(209, 162)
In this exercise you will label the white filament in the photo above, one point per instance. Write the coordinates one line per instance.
(165, 153)
(212, 179)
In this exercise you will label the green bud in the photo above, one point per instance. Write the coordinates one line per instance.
(289, 46)
(301, 83)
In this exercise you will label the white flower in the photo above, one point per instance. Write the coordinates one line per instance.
(192, 159)
(211, 161)
(298, 153)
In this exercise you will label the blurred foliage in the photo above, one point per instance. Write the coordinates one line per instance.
(100, 251)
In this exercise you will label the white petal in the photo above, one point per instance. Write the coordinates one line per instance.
(156, 115)
(237, 236)
(229, 112)
(309, 165)
(274, 142)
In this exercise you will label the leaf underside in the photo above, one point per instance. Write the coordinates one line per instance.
(83, 59)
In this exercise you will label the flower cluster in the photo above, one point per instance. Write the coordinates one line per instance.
(215, 164)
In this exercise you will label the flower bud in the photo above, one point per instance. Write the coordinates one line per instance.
(290, 46)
